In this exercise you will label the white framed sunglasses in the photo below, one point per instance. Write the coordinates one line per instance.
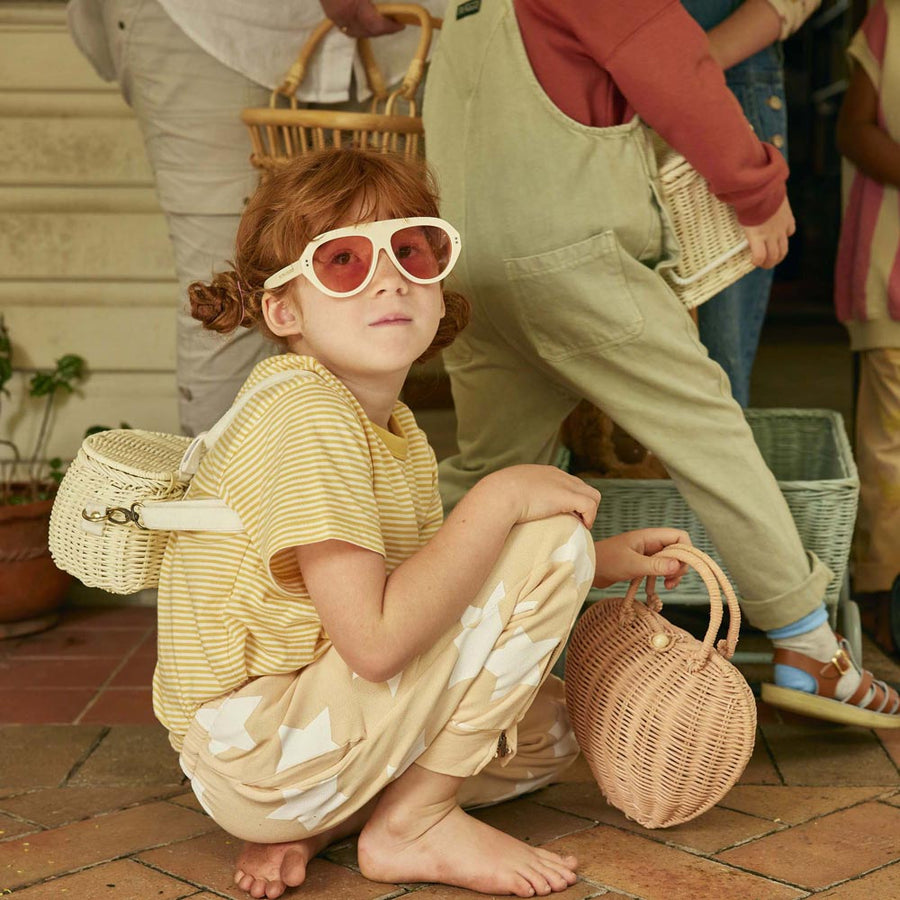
(340, 263)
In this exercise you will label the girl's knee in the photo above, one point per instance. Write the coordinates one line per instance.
(562, 541)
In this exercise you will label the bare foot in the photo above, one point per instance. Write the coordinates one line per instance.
(459, 850)
(267, 870)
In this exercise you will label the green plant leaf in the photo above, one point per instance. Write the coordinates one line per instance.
(42, 384)
(57, 469)
(69, 369)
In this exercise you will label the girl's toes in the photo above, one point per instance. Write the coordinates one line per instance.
(521, 887)
(556, 879)
(539, 882)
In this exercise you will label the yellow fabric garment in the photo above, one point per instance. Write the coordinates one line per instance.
(301, 464)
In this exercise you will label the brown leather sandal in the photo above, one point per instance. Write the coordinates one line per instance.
(882, 711)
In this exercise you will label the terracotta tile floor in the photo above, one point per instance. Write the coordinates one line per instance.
(93, 804)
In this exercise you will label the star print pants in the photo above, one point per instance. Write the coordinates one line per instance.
(288, 756)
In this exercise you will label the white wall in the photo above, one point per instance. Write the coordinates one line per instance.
(85, 262)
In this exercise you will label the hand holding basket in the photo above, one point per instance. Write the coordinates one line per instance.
(666, 722)
(715, 252)
(284, 130)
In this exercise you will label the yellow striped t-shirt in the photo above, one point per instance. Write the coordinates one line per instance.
(301, 463)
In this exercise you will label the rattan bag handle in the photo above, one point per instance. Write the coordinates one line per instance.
(714, 579)
(406, 13)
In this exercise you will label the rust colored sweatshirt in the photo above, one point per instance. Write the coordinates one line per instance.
(602, 61)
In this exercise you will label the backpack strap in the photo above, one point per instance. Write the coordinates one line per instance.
(196, 450)
(203, 514)
(208, 513)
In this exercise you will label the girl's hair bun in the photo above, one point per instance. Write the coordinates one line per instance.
(219, 305)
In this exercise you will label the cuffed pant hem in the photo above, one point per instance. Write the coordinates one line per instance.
(794, 603)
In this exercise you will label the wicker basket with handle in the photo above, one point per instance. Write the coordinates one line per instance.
(122, 497)
(284, 130)
(809, 455)
(667, 724)
(714, 248)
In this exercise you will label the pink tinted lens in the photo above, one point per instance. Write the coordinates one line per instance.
(422, 250)
(343, 263)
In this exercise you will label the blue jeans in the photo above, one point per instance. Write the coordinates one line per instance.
(731, 322)
(730, 325)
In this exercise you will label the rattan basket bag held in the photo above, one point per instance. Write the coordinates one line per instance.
(714, 248)
(283, 130)
(666, 722)
(121, 498)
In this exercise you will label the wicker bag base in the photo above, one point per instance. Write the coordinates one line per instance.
(667, 724)
(113, 470)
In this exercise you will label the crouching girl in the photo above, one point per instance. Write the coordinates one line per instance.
(349, 662)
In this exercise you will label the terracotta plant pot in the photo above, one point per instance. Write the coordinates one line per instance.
(32, 589)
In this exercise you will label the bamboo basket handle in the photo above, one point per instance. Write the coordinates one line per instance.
(412, 14)
(713, 578)
(374, 76)
(406, 13)
(297, 71)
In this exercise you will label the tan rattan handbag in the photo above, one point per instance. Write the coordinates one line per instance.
(714, 249)
(283, 130)
(666, 723)
(121, 498)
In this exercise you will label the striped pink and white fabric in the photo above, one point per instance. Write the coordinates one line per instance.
(867, 270)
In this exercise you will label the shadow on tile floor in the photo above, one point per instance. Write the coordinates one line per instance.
(92, 809)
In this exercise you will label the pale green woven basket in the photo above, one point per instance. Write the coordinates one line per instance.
(809, 454)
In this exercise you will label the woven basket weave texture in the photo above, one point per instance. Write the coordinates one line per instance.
(707, 229)
(666, 724)
(809, 454)
(111, 469)
(392, 124)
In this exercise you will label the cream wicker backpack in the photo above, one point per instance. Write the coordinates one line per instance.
(121, 498)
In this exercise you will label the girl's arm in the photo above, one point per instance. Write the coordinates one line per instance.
(753, 26)
(378, 624)
(859, 136)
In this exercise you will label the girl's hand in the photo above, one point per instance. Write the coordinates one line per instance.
(626, 556)
(533, 492)
(769, 241)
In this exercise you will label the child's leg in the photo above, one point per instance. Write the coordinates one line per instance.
(876, 549)
(418, 832)
(876, 543)
(290, 758)
(545, 748)
(266, 870)
(805, 659)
